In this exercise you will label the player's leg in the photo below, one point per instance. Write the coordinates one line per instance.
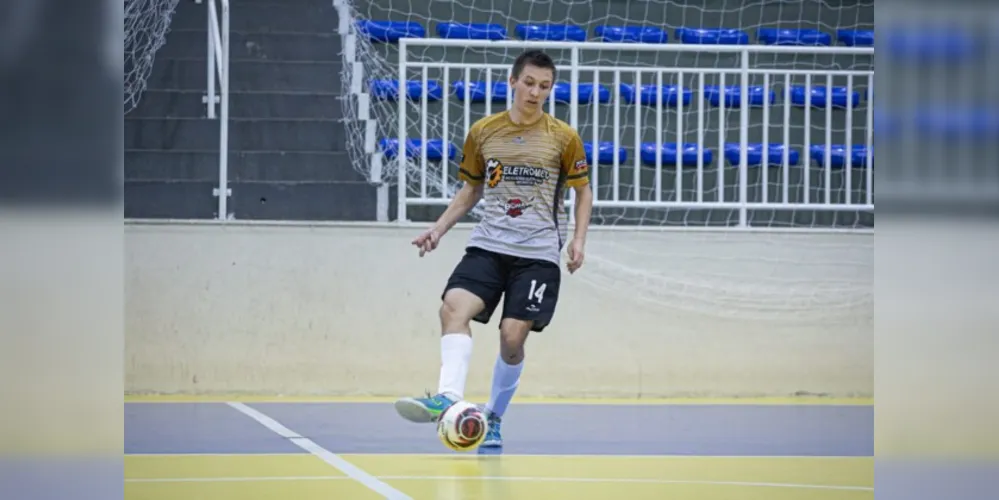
(531, 296)
(472, 293)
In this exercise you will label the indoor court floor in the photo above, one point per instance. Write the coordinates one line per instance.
(310, 449)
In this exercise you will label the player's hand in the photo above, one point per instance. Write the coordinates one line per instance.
(575, 251)
(427, 241)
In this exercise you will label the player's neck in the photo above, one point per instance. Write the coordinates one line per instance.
(519, 117)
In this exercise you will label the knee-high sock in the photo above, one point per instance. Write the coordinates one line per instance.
(456, 350)
(506, 378)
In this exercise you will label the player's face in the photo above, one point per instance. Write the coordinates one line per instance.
(532, 88)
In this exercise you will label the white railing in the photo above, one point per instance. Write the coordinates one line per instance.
(590, 74)
(218, 67)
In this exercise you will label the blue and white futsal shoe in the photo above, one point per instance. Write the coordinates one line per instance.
(493, 437)
(423, 410)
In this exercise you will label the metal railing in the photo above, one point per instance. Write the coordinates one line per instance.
(218, 75)
(812, 148)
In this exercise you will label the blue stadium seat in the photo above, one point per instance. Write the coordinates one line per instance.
(706, 36)
(477, 90)
(631, 34)
(435, 148)
(820, 95)
(389, 89)
(754, 154)
(780, 36)
(733, 95)
(670, 94)
(550, 32)
(856, 38)
(605, 153)
(669, 151)
(838, 155)
(933, 43)
(390, 31)
(471, 31)
(562, 92)
(957, 123)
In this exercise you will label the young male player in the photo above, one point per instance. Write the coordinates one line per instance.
(520, 162)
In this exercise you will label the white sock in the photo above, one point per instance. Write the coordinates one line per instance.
(506, 378)
(456, 350)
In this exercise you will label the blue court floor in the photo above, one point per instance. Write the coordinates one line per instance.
(360, 450)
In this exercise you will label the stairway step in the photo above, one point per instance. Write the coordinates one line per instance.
(258, 166)
(188, 104)
(244, 134)
(193, 44)
(284, 16)
(298, 76)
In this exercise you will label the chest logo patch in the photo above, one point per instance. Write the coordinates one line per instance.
(520, 175)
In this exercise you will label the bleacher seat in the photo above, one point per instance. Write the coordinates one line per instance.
(389, 89)
(562, 92)
(550, 32)
(477, 89)
(390, 31)
(820, 95)
(669, 152)
(838, 155)
(648, 97)
(605, 153)
(706, 36)
(435, 148)
(733, 95)
(934, 42)
(754, 154)
(957, 123)
(781, 36)
(856, 38)
(471, 31)
(631, 34)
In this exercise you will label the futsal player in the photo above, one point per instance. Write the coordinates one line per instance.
(520, 162)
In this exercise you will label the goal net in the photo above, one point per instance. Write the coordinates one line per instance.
(146, 26)
(816, 279)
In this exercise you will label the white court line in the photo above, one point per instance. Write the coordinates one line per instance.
(511, 479)
(323, 454)
(476, 456)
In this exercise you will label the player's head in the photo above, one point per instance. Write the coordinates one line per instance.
(531, 79)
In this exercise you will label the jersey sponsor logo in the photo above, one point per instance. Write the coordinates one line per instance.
(521, 175)
(494, 172)
(515, 207)
(581, 166)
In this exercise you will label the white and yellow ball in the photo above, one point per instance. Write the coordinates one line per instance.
(462, 426)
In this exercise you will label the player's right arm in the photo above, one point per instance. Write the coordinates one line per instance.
(471, 170)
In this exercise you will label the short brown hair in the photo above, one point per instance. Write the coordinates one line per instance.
(534, 57)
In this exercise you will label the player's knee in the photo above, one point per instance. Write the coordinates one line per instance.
(453, 318)
(513, 336)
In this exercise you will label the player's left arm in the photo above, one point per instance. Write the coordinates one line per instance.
(577, 176)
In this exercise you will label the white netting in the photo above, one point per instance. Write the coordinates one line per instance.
(146, 26)
(815, 279)
(597, 122)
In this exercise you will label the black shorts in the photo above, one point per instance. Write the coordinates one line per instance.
(529, 287)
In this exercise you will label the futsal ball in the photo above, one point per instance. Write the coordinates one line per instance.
(462, 426)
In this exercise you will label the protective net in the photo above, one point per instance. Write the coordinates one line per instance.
(812, 278)
(146, 26)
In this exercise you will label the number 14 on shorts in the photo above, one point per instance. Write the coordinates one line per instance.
(537, 294)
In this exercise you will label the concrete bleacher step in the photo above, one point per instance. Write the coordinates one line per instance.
(188, 104)
(258, 166)
(298, 76)
(244, 134)
(289, 16)
(192, 44)
(251, 200)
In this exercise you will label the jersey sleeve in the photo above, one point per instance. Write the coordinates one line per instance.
(574, 164)
(471, 167)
